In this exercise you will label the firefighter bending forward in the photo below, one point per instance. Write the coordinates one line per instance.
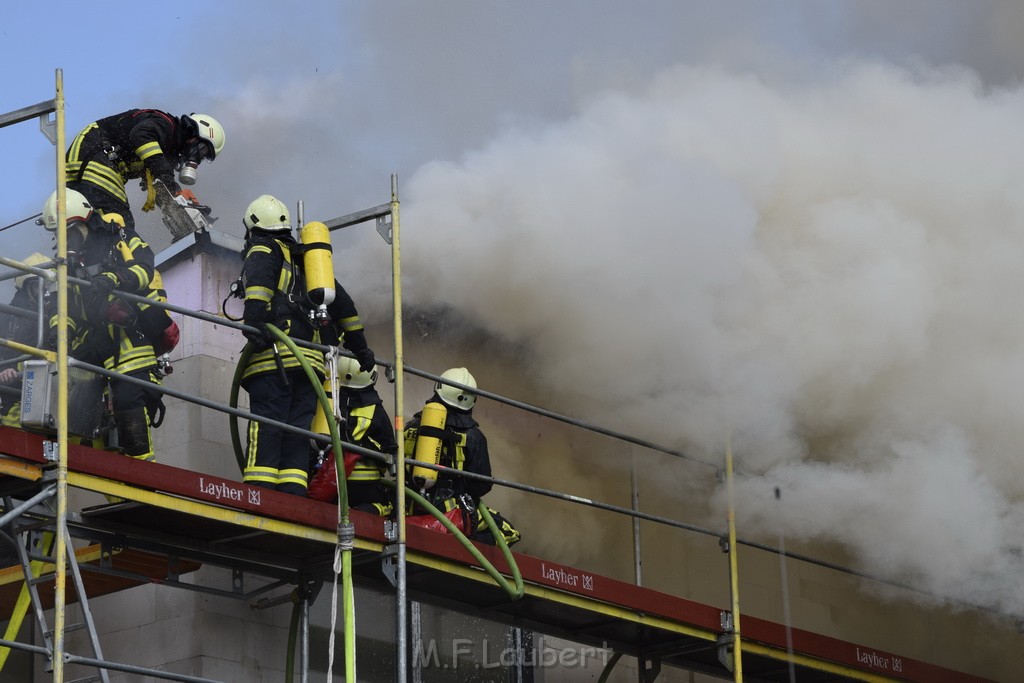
(278, 387)
(140, 143)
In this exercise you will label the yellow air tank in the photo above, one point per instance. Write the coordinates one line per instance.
(428, 446)
(320, 424)
(318, 263)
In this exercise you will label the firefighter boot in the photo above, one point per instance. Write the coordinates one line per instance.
(133, 438)
(133, 433)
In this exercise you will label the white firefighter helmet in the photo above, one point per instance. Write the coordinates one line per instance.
(78, 209)
(209, 129)
(31, 260)
(349, 374)
(454, 396)
(267, 212)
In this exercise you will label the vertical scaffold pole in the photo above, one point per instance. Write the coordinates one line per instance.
(60, 546)
(635, 504)
(401, 598)
(734, 582)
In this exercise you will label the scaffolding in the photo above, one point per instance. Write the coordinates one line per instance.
(128, 544)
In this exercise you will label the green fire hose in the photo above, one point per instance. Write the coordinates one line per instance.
(344, 524)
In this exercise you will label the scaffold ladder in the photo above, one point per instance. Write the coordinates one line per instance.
(34, 541)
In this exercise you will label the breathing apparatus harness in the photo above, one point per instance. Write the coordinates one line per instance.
(307, 296)
(310, 288)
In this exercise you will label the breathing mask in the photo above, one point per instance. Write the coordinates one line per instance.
(195, 153)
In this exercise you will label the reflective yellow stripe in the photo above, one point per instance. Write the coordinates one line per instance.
(250, 453)
(264, 361)
(76, 144)
(364, 416)
(141, 364)
(142, 275)
(365, 473)
(257, 249)
(351, 324)
(265, 475)
(115, 188)
(292, 476)
(259, 293)
(104, 171)
(149, 149)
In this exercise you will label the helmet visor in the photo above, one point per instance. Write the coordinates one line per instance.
(198, 150)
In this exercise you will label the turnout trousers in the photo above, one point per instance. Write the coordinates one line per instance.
(276, 458)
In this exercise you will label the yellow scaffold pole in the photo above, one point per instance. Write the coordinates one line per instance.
(60, 559)
(401, 595)
(734, 583)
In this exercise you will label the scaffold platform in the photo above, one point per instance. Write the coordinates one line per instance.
(172, 521)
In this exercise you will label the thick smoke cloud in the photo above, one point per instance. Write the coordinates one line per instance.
(828, 272)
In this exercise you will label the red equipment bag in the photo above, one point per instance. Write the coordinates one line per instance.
(324, 486)
(430, 522)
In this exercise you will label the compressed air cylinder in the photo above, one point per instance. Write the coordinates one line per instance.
(320, 424)
(318, 263)
(428, 446)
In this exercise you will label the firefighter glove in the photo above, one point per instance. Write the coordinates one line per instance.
(102, 285)
(260, 339)
(367, 361)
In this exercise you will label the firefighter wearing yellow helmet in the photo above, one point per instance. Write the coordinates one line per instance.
(147, 144)
(462, 447)
(274, 280)
(368, 425)
(28, 329)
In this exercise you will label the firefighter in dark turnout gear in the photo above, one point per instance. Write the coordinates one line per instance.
(140, 143)
(105, 329)
(366, 424)
(24, 330)
(277, 386)
(463, 447)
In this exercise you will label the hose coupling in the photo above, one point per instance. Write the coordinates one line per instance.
(346, 536)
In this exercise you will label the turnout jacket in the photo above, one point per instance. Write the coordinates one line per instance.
(112, 150)
(368, 425)
(275, 292)
(464, 448)
(117, 342)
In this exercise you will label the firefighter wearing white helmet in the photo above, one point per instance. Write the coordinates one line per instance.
(106, 329)
(145, 144)
(457, 397)
(368, 425)
(274, 285)
(462, 447)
